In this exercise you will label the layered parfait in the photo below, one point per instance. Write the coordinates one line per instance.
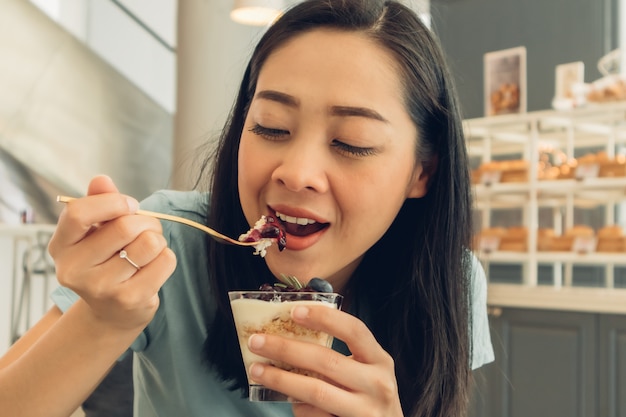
(268, 311)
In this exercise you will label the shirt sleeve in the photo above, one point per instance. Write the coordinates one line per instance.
(64, 298)
(482, 349)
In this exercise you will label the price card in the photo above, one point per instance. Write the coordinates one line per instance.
(584, 244)
(587, 171)
(490, 177)
(489, 243)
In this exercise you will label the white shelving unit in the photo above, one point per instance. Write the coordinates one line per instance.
(572, 132)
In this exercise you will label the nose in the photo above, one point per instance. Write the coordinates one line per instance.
(303, 166)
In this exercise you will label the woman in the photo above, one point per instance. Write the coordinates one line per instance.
(346, 120)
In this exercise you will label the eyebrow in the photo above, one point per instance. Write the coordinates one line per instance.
(345, 111)
(358, 112)
(279, 97)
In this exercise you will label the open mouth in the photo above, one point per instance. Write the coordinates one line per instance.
(300, 226)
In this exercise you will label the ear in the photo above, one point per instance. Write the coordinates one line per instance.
(421, 180)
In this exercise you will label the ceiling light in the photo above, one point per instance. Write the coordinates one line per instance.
(256, 12)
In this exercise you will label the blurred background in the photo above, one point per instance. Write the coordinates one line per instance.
(90, 87)
(131, 88)
(139, 90)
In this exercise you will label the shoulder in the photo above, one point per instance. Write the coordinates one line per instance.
(478, 279)
(183, 294)
(482, 348)
(186, 241)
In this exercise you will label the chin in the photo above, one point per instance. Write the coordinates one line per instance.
(290, 267)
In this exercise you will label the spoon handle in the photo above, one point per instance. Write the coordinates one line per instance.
(214, 233)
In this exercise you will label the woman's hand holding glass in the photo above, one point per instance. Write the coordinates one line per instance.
(91, 233)
(357, 385)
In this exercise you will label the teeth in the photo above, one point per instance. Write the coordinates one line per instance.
(302, 221)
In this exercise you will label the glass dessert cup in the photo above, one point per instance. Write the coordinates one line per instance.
(266, 312)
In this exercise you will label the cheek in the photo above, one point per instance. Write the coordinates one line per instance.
(374, 200)
(250, 158)
(254, 171)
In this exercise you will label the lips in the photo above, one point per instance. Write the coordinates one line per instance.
(300, 226)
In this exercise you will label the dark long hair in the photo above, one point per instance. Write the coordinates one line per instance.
(415, 279)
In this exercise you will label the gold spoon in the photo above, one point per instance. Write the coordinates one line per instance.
(215, 234)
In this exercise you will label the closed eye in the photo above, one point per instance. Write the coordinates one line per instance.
(354, 151)
(267, 132)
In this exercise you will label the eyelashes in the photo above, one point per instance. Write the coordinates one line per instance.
(352, 150)
(341, 147)
(268, 133)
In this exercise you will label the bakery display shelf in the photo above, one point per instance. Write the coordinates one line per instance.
(502, 188)
(588, 193)
(590, 258)
(503, 201)
(514, 134)
(509, 148)
(579, 186)
(584, 201)
(610, 113)
(584, 194)
(554, 187)
(593, 300)
(501, 147)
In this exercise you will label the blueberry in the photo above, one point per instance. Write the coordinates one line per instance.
(320, 285)
(282, 240)
(270, 232)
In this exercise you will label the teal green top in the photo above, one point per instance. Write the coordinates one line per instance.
(170, 377)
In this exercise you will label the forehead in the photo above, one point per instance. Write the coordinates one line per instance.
(347, 62)
(334, 45)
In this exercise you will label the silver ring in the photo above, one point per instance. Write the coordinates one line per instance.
(124, 255)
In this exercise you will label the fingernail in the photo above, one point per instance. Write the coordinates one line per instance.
(133, 205)
(300, 312)
(256, 370)
(256, 341)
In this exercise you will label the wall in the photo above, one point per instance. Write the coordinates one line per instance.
(553, 31)
(135, 37)
(66, 115)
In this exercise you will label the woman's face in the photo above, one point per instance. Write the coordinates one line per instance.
(329, 149)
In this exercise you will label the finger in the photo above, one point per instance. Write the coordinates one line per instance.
(101, 280)
(113, 278)
(140, 252)
(133, 302)
(352, 331)
(75, 260)
(319, 360)
(145, 283)
(101, 184)
(313, 391)
(116, 235)
(308, 410)
(331, 374)
(78, 216)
